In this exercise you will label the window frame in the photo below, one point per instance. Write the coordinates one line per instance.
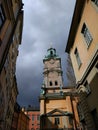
(56, 83)
(87, 35)
(77, 57)
(50, 83)
(38, 117)
(33, 117)
(57, 121)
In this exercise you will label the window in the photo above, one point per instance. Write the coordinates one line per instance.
(51, 52)
(2, 16)
(87, 87)
(32, 117)
(56, 83)
(38, 117)
(77, 57)
(86, 34)
(96, 2)
(50, 83)
(57, 121)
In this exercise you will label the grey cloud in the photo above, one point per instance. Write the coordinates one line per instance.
(45, 21)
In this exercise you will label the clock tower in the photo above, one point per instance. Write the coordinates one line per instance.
(52, 70)
(57, 103)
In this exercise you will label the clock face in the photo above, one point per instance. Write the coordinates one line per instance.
(52, 61)
(42, 91)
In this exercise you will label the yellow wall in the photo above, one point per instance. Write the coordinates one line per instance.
(56, 104)
(89, 17)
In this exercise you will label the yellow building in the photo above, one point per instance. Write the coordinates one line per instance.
(58, 105)
(11, 24)
(82, 46)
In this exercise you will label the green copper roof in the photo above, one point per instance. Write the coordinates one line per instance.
(51, 53)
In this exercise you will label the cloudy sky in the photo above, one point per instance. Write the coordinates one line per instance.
(46, 22)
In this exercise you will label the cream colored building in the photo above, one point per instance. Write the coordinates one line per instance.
(82, 46)
(58, 105)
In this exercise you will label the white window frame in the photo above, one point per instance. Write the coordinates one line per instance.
(77, 57)
(87, 35)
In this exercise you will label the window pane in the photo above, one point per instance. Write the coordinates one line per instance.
(57, 121)
(38, 117)
(32, 117)
(56, 83)
(86, 34)
(77, 57)
(50, 83)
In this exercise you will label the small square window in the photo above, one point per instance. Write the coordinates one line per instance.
(57, 121)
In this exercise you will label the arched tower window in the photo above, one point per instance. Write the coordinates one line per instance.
(51, 52)
(50, 83)
(56, 83)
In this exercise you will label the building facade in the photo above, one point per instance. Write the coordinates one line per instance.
(58, 105)
(15, 117)
(34, 115)
(11, 23)
(82, 46)
(23, 120)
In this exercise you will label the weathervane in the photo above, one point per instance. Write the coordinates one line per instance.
(50, 44)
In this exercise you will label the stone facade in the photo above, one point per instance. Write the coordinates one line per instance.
(11, 23)
(23, 120)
